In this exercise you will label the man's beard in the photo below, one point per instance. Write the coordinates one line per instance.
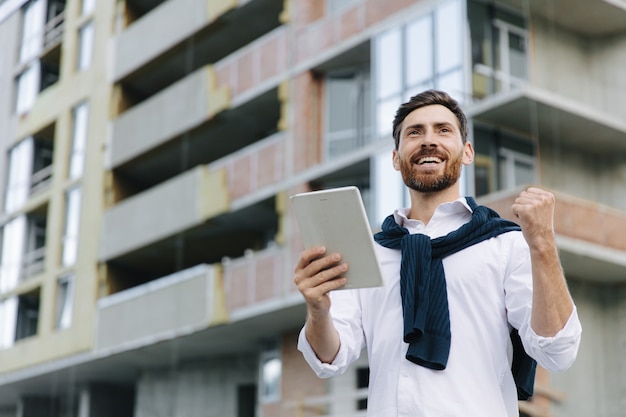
(431, 182)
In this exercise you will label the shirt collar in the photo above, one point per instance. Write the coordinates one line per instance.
(458, 206)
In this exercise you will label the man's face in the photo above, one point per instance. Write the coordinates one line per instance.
(431, 151)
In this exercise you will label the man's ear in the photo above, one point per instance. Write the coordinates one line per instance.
(395, 160)
(468, 153)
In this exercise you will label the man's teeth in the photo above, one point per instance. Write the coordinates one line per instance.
(429, 160)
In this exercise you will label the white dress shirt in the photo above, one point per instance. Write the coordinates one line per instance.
(489, 288)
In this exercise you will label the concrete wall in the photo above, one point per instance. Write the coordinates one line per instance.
(588, 70)
(9, 33)
(600, 178)
(203, 389)
(595, 384)
(157, 32)
(161, 118)
(55, 105)
(608, 61)
(174, 205)
(158, 309)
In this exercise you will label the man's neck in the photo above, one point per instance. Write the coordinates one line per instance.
(423, 205)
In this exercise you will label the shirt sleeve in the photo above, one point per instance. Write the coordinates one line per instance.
(346, 313)
(556, 353)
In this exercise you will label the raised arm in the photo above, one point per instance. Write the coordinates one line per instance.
(315, 275)
(552, 303)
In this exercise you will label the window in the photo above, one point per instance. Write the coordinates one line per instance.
(8, 317)
(13, 245)
(85, 46)
(503, 160)
(270, 373)
(388, 189)
(80, 115)
(425, 53)
(347, 111)
(19, 173)
(499, 49)
(87, 7)
(72, 222)
(64, 300)
(27, 315)
(33, 21)
(388, 72)
(28, 83)
(30, 169)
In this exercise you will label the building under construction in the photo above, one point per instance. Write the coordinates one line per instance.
(148, 149)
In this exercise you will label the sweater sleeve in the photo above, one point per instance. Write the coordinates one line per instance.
(556, 353)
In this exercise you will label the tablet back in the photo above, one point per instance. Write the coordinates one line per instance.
(336, 219)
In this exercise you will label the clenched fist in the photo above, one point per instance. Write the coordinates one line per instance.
(534, 209)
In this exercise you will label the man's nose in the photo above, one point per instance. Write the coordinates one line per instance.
(429, 139)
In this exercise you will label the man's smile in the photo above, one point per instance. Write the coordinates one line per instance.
(429, 160)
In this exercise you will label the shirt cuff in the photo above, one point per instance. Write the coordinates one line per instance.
(557, 353)
(321, 369)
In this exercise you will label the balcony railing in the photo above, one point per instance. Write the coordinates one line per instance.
(177, 304)
(255, 166)
(33, 263)
(40, 179)
(589, 235)
(256, 278)
(53, 31)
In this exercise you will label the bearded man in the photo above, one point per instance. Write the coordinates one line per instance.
(471, 301)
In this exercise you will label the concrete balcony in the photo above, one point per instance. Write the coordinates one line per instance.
(540, 113)
(597, 18)
(590, 236)
(254, 168)
(260, 282)
(176, 305)
(175, 110)
(255, 67)
(156, 33)
(176, 205)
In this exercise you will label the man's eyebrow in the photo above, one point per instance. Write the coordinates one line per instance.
(414, 126)
(421, 125)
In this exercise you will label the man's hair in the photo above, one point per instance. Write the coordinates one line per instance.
(429, 98)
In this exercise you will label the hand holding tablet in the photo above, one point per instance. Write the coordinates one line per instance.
(336, 219)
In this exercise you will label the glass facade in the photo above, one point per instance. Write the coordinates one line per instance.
(503, 160)
(65, 295)
(270, 373)
(72, 222)
(499, 49)
(426, 52)
(85, 46)
(348, 107)
(80, 116)
(34, 18)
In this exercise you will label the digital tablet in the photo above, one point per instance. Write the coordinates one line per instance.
(336, 219)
